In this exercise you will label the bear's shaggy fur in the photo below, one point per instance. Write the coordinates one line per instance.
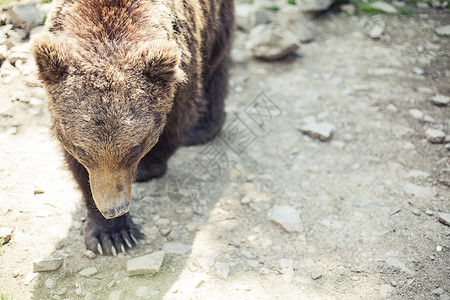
(129, 81)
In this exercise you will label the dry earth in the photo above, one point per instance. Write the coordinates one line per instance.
(369, 227)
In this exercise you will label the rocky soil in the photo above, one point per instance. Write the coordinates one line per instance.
(330, 179)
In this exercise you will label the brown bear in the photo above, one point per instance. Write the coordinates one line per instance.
(128, 82)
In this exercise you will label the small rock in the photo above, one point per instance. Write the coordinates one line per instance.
(322, 130)
(5, 235)
(394, 283)
(29, 278)
(15, 273)
(271, 42)
(395, 263)
(222, 270)
(147, 264)
(286, 216)
(146, 292)
(206, 261)
(440, 100)
(392, 108)
(435, 136)
(444, 297)
(47, 264)
(418, 71)
(444, 218)
(115, 295)
(425, 90)
(419, 191)
(376, 31)
(88, 272)
(61, 291)
(443, 30)
(416, 212)
(90, 254)
(416, 114)
(316, 275)
(314, 5)
(438, 291)
(177, 248)
(386, 290)
(49, 283)
(417, 174)
(428, 212)
(384, 7)
(292, 19)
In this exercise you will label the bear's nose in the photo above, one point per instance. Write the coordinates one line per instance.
(116, 212)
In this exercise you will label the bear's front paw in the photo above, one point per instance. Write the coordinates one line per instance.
(108, 237)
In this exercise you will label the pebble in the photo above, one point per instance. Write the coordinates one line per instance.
(15, 273)
(90, 254)
(376, 31)
(419, 191)
(416, 212)
(416, 114)
(321, 131)
(293, 20)
(115, 295)
(394, 283)
(386, 290)
(397, 264)
(417, 174)
(88, 272)
(29, 278)
(49, 283)
(418, 71)
(316, 275)
(286, 216)
(177, 248)
(384, 7)
(271, 42)
(47, 264)
(438, 291)
(444, 218)
(435, 136)
(147, 264)
(222, 270)
(146, 292)
(5, 235)
(25, 15)
(425, 90)
(428, 212)
(206, 261)
(392, 108)
(440, 100)
(443, 30)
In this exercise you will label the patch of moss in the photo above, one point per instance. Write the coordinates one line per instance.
(367, 8)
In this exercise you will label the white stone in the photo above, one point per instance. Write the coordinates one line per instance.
(146, 292)
(314, 5)
(322, 130)
(25, 15)
(87, 272)
(286, 216)
(147, 264)
(49, 283)
(443, 30)
(206, 261)
(90, 254)
(47, 264)
(271, 42)
(440, 100)
(29, 278)
(416, 114)
(222, 270)
(177, 248)
(418, 71)
(291, 18)
(386, 290)
(435, 135)
(115, 295)
(417, 174)
(395, 263)
(376, 31)
(286, 268)
(384, 7)
(444, 218)
(419, 191)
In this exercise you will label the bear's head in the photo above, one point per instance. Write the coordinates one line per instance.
(109, 106)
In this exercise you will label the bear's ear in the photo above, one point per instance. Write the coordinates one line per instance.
(160, 62)
(51, 59)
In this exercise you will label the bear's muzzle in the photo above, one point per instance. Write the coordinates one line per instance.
(111, 191)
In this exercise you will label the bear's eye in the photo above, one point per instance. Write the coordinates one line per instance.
(80, 153)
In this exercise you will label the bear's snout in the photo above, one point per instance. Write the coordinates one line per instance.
(111, 191)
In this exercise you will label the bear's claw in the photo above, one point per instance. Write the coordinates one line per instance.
(109, 237)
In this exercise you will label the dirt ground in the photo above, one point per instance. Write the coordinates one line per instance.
(369, 226)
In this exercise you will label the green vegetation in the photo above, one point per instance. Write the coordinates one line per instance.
(292, 2)
(367, 8)
(4, 2)
(5, 297)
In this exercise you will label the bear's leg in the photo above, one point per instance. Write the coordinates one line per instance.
(215, 93)
(104, 236)
(154, 163)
